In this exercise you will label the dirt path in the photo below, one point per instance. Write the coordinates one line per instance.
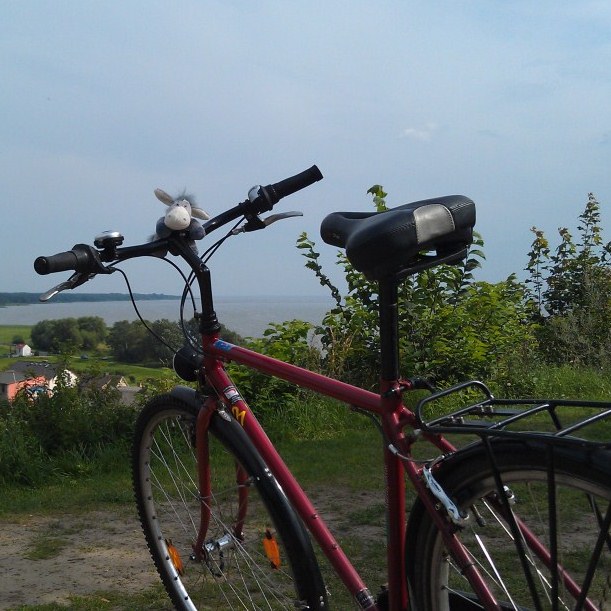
(105, 550)
(88, 552)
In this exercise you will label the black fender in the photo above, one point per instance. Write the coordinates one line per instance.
(188, 395)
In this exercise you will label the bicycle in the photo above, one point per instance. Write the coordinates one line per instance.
(227, 524)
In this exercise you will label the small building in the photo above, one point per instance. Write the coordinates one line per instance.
(23, 350)
(102, 382)
(11, 382)
(109, 381)
(44, 369)
(117, 382)
(128, 394)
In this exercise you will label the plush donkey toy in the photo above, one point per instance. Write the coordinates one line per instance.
(178, 216)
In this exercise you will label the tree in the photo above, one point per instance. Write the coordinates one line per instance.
(69, 334)
(162, 352)
(132, 342)
(93, 331)
(57, 335)
(571, 287)
(126, 340)
(42, 335)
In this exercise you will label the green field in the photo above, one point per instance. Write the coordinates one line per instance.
(337, 461)
(98, 363)
(8, 332)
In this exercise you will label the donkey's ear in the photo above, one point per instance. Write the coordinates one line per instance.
(199, 213)
(163, 197)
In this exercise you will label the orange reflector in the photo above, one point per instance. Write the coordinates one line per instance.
(175, 557)
(272, 550)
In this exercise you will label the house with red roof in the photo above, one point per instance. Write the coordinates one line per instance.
(11, 382)
(33, 377)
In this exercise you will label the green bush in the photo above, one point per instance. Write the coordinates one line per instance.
(23, 461)
(571, 287)
(290, 341)
(450, 327)
(61, 434)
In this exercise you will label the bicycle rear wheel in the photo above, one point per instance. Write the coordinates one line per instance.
(256, 553)
(570, 511)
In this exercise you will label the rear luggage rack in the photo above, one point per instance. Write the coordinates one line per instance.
(560, 420)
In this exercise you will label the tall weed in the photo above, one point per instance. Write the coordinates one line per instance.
(61, 435)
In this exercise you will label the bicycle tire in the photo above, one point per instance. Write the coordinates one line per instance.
(581, 476)
(233, 571)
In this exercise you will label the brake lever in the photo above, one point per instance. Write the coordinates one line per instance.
(75, 280)
(266, 222)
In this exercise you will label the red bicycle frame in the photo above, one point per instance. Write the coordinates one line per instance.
(394, 417)
(388, 406)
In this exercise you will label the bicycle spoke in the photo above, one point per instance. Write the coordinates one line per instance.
(562, 523)
(603, 536)
(231, 569)
(499, 579)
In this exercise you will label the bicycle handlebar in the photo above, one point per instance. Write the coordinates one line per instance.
(82, 258)
(86, 259)
(274, 193)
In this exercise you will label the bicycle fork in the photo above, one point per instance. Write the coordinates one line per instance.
(201, 548)
(203, 469)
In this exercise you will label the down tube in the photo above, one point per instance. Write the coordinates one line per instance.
(218, 377)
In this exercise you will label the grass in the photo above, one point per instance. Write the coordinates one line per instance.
(152, 599)
(333, 483)
(314, 463)
(8, 332)
(73, 495)
(337, 460)
(132, 373)
(101, 362)
(50, 543)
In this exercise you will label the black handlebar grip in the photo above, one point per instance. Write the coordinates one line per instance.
(294, 183)
(80, 259)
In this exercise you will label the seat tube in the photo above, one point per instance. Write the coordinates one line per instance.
(395, 545)
(394, 474)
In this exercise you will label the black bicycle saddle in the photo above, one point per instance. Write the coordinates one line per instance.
(397, 240)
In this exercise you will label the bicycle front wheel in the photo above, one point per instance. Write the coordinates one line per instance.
(564, 499)
(255, 553)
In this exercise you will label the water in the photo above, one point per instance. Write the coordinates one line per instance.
(248, 316)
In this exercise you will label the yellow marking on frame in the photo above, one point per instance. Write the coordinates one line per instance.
(239, 414)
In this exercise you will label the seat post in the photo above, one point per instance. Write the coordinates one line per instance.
(389, 327)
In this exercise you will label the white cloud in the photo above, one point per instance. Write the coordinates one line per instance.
(422, 134)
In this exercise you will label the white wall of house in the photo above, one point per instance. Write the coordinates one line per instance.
(71, 380)
(24, 350)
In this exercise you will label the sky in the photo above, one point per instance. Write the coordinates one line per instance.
(507, 102)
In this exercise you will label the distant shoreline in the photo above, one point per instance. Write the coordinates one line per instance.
(13, 299)
(249, 316)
